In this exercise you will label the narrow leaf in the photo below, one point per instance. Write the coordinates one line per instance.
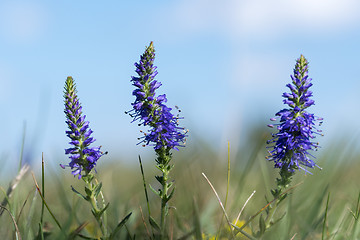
(97, 189)
(262, 225)
(156, 192)
(103, 210)
(154, 224)
(171, 194)
(120, 225)
(325, 217)
(197, 225)
(78, 193)
(88, 192)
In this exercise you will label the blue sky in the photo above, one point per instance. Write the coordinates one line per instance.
(224, 63)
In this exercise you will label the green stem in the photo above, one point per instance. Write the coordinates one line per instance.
(164, 204)
(43, 188)
(270, 214)
(282, 184)
(92, 200)
(163, 160)
(104, 215)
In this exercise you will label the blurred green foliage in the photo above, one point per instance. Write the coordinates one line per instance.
(194, 210)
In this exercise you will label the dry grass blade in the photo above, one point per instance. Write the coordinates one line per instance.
(262, 209)
(242, 209)
(13, 184)
(221, 205)
(143, 219)
(13, 219)
(293, 237)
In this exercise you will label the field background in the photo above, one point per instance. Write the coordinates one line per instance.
(123, 188)
(224, 63)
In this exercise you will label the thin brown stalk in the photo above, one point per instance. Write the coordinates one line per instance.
(13, 219)
(143, 219)
(22, 208)
(42, 197)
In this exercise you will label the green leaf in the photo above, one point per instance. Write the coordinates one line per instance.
(325, 217)
(104, 209)
(262, 225)
(156, 192)
(94, 213)
(278, 220)
(97, 189)
(119, 226)
(88, 178)
(40, 235)
(160, 179)
(78, 193)
(196, 222)
(171, 194)
(154, 224)
(353, 214)
(170, 184)
(88, 192)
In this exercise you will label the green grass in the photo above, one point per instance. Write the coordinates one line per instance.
(325, 205)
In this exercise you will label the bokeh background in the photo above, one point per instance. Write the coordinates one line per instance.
(224, 63)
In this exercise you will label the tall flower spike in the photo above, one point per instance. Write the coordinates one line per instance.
(164, 133)
(296, 129)
(150, 110)
(82, 157)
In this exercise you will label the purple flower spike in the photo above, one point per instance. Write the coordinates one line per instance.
(83, 157)
(292, 143)
(150, 110)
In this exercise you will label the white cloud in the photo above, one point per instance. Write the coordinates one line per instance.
(251, 18)
(21, 21)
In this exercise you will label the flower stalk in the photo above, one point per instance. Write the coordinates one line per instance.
(83, 158)
(164, 132)
(291, 145)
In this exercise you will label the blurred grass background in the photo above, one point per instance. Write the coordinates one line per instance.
(123, 188)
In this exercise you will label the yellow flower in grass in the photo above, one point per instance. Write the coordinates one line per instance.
(226, 234)
(245, 229)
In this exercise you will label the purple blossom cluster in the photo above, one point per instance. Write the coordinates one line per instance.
(83, 157)
(150, 110)
(296, 129)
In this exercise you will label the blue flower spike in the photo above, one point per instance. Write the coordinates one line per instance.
(164, 132)
(83, 158)
(151, 110)
(292, 144)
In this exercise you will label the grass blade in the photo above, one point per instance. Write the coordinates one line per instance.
(43, 192)
(22, 147)
(13, 184)
(197, 225)
(47, 207)
(13, 219)
(221, 205)
(325, 217)
(120, 225)
(262, 209)
(227, 188)
(146, 194)
(242, 209)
